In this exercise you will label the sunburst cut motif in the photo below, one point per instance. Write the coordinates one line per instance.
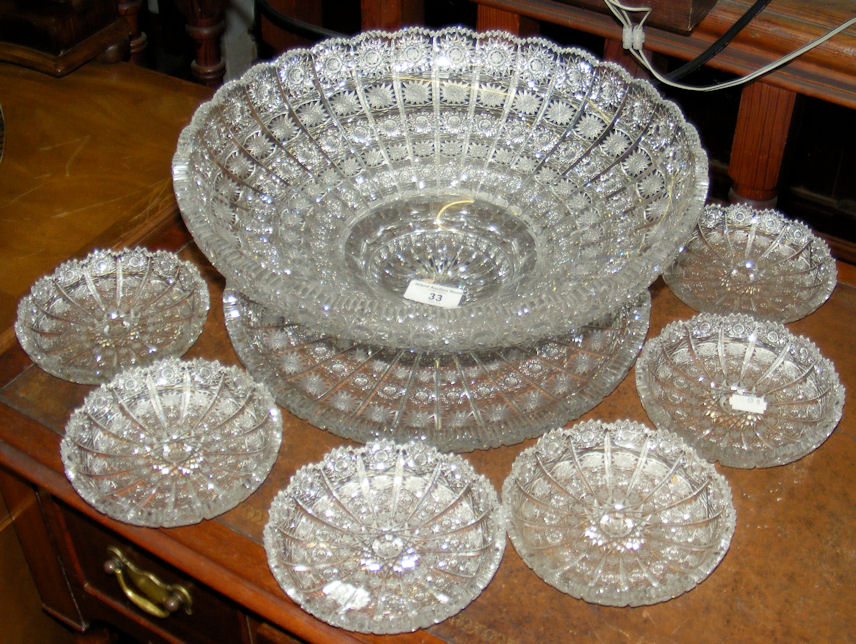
(173, 443)
(455, 93)
(746, 260)
(617, 513)
(495, 397)
(517, 125)
(416, 92)
(385, 538)
(346, 103)
(492, 95)
(380, 97)
(744, 392)
(92, 317)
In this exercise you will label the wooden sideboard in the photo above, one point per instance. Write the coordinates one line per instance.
(787, 577)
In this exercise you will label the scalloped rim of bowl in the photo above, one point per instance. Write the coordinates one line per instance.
(766, 220)
(405, 324)
(736, 456)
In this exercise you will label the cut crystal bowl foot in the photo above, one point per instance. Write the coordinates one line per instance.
(456, 402)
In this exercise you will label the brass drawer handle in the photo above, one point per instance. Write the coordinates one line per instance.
(144, 589)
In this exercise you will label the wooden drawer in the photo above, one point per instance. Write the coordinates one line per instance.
(116, 577)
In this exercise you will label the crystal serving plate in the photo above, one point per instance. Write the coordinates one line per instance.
(743, 391)
(538, 186)
(744, 260)
(93, 317)
(456, 402)
(172, 443)
(385, 538)
(618, 513)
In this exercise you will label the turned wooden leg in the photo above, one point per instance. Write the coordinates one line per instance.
(491, 18)
(391, 14)
(763, 122)
(205, 24)
(130, 11)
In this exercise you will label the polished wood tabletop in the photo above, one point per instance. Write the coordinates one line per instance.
(787, 576)
(86, 163)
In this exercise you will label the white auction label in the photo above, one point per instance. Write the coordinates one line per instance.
(748, 403)
(447, 297)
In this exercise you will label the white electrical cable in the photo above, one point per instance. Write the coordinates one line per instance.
(633, 39)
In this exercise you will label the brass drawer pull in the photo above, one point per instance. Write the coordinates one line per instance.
(144, 589)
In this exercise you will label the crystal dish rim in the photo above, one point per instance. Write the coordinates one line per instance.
(614, 596)
(735, 456)
(60, 369)
(397, 322)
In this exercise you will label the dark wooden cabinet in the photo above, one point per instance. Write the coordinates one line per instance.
(78, 563)
(107, 571)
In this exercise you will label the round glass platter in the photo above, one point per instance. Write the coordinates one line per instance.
(617, 513)
(385, 538)
(172, 443)
(744, 260)
(456, 402)
(743, 391)
(95, 316)
(544, 187)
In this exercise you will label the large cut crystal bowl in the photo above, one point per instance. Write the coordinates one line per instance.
(534, 186)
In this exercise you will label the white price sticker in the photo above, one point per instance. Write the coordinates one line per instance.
(748, 403)
(447, 297)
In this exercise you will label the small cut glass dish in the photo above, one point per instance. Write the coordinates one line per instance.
(455, 402)
(385, 538)
(618, 513)
(95, 316)
(439, 190)
(743, 391)
(172, 443)
(744, 260)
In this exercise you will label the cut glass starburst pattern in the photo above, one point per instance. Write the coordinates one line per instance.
(316, 183)
(172, 443)
(617, 513)
(743, 391)
(385, 538)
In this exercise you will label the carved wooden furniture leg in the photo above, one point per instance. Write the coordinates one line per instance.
(491, 18)
(390, 14)
(763, 122)
(130, 11)
(205, 24)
